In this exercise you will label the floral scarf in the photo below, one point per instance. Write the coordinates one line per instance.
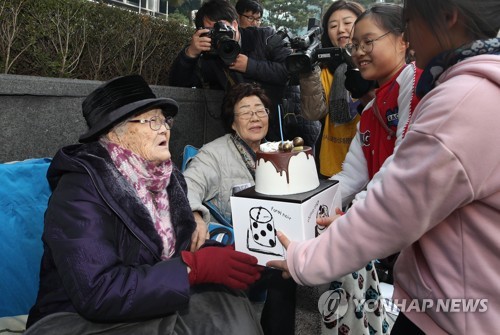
(150, 181)
(451, 57)
(247, 154)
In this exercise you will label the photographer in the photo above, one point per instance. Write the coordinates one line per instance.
(323, 93)
(250, 13)
(199, 65)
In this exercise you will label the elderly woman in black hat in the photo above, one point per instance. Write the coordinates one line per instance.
(118, 228)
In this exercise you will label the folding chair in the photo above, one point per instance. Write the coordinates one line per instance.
(222, 230)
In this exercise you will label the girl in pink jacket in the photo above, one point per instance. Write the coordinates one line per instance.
(439, 200)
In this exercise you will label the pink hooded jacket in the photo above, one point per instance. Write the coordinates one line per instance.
(438, 202)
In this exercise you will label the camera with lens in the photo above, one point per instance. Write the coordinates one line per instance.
(223, 44)
(308, 51)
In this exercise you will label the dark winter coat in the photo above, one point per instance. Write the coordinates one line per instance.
(101, 250)
(266, 66)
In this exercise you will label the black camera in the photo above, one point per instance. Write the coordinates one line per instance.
(223, 44)
(308, 53)
(308, 50)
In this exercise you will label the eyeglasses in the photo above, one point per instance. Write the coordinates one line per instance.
(366, 45)
(155, 122)
(247, 115)
(251, 18)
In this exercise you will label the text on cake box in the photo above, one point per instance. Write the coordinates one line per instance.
(256, 221)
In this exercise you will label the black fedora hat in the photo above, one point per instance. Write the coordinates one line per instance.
(118, 99)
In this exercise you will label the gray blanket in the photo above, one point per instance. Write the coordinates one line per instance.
(212, 309)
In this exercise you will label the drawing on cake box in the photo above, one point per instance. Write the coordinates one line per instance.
(261, 235)
(322, 213)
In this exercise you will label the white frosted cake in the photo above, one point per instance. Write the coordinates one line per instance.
(286, 170)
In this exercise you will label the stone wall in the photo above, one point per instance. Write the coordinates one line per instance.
(38, 115)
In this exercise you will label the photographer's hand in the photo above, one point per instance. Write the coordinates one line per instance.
(199, 43)
(240, 64)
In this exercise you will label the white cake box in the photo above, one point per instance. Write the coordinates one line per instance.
(257, 217)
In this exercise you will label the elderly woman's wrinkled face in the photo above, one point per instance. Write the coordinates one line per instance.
(152, 145)
(251, 120)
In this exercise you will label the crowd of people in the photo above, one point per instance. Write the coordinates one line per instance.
(410, 138)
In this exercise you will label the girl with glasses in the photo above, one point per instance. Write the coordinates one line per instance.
(228, 163)
(379, 52)
(341, 18)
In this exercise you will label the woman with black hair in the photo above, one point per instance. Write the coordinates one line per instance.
(323, 93)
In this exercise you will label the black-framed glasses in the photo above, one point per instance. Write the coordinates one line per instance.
(247, 115)
(366, 45)
(156, 122)
(252, 19)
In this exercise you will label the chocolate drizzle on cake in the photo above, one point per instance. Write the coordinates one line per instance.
(280, 159)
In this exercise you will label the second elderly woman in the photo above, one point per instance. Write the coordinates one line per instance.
(228, 163)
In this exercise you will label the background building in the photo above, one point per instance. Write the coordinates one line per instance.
(153, 7)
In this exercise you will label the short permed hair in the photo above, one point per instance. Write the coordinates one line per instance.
(235, 95)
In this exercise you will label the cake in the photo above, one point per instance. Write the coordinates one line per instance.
(284, 169)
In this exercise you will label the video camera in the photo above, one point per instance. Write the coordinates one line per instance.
(308, 51)
(223, 44)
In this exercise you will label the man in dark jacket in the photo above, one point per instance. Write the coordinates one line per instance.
(250, 59)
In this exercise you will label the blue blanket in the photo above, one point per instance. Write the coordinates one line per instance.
(24, 192)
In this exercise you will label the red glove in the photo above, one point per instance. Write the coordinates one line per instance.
(221, 265)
